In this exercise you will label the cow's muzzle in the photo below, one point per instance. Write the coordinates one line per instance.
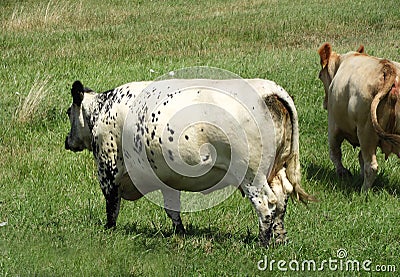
(73, 149)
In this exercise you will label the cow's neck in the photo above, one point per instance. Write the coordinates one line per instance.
(91, 109)
(94, 105)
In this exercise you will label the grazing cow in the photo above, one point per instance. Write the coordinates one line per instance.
(361, 95)
(97, 124)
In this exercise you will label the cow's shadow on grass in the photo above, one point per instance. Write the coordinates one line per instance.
(351, 184)
(192, 231)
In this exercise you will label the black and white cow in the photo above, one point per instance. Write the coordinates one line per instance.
(99, 123)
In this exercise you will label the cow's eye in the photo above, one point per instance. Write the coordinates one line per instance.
(69, 112)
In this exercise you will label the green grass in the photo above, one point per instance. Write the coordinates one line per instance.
(50, 198)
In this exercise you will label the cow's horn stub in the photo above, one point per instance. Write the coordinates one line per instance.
(361, 49)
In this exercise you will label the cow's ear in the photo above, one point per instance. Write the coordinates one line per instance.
(325, 52)
(361, 49)
(77, 92)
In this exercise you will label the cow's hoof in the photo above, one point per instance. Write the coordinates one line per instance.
(264, 242)
(365, 189)
(179, 229)
(281, 240)
(109, 226)
(344, 173)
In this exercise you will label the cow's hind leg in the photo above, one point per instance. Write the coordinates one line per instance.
(361, 162)
(177, 224)
(335, 152)
(172, 206)
(368, 143)
(278, 227)
(370, 167)
(281, 187)
(264, 202)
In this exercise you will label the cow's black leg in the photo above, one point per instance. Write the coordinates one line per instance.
(113, 202)
(172, 206)
(177, 224)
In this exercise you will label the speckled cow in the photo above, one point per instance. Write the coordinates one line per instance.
(97, 124)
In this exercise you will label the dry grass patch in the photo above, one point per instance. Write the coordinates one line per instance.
(30, 107)
(36, 16)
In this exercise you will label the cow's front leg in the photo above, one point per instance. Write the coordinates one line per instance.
(113, 201)
(108, 177)
(172, 206)
(264, 202)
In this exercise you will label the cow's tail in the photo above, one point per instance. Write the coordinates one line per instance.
(294, 176)
(293, 172)
(391, 87)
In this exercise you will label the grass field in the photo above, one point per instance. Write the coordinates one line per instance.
(51, 206)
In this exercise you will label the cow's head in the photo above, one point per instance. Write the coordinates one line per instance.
(79, 137)
(330, 62)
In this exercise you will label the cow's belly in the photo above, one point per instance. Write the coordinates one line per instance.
(212, 180)
(127, 190)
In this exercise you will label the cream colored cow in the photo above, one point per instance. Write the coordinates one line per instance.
(361, 95)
